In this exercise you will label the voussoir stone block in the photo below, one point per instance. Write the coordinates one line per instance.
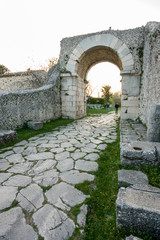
(131, 177)
(138, 208)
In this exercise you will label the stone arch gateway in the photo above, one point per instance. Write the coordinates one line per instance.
(87, 52)
(136, 52)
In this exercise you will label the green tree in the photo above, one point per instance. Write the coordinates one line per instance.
(116, 97)
(3, 69)
(106, 94)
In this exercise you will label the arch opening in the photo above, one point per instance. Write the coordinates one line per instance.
(97, 55)
(102, 74)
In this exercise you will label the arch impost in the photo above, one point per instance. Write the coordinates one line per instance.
(68, 74)
(130, 72)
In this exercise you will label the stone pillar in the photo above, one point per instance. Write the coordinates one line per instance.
(72, 96)
(130, 96)
(153, 132)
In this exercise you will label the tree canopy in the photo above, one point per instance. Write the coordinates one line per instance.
(106, 93)
(3, 69)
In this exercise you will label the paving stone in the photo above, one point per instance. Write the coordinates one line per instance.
(42, 166)
(62, 156)
(4, 176)
(61, 137)
(81, 218)
(73, 141)
(30, 150)
(92, 157)
(48, 145)
(77, 155)
(66, 145)
(109, 140)
(18, 181)
(63, 195)
(8, 195)
(4, 164)
(40, 156)
(96, 141)
(65, 165)
(22, 143)
(86, 165)
(102, 146)
(131, 177)
(20, 168)
(47, 178)
(89, 150)
(138, 208)
(91, 145)
(15, 158)
(7, 153)
(75, 177)
(53, 223)
(30, 198)
(18, 149)
(57, 150)
(71, 149)
(14, 227)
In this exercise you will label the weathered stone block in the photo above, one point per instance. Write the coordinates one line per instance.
(7, 136)
(131, 177)
(131, 85)
(138, 208)
(35, 125)
(133, 238)
(153, 133)
(140, 153)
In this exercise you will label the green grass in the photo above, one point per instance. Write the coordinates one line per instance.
(26, 133)
(98, 111)
(101, 217)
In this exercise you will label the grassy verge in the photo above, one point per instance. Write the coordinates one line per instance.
(26, 133)
(98, 111)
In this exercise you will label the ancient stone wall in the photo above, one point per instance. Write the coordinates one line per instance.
(22, 80)
(18, 107)
(150, 81)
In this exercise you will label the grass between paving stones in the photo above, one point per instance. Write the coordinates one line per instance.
(103, 191)
(25, 133)
(101, 217)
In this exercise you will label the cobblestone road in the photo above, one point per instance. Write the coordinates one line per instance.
(38, 179)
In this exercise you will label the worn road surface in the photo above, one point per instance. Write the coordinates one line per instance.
(38, 178)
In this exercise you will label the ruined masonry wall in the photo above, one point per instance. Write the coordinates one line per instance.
(22, 80)
(16, 108)
(150, 81)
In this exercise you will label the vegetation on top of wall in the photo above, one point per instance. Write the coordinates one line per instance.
(94, 100)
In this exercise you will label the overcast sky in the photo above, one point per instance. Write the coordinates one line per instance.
(31, 30)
